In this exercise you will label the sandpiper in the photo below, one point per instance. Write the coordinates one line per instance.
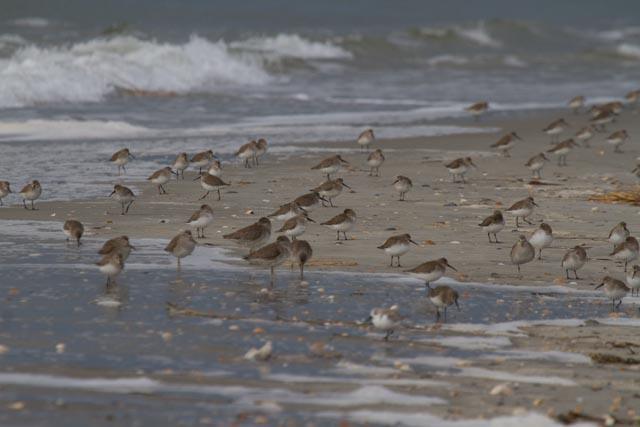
(247, 153)
(271, 255)
(261, 149)
(286, 211)
(202, 160)
(330, 165)
(555, 128)
(342, 223)
(385, 319)
(180, 164)
(536, 163)
(431, 271)
(506, 143)
(119, 245)
(619, 234)
(600, 120)
(200, 219)
(403, 185)
(252, 236)
(31, 192)
(123, 195)
(365, 139)
(295, 226)
(330, 189)
(584, 135)
(614, 107)
(5, 190)
(442, 297)
(633, 279)
(301, 252)
(396, 246)
(160, 177)
(493, 224)
(561, 149)
(210, 183)
(576, 103)
(522, 209)
(477, 109)
(573, 260)
(522, 252)
(614, 289)
(632, 97)
(111, 265)
(73, 230)
(374, 161)
(215, 168)
(310, 201)
(459, 167)
(617, 138)
(182, 245)
(626, 251)
(121, 158)
(541, 238)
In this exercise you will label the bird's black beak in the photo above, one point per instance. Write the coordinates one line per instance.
(412, 241)
(112, 193)
(452, 267)
(535, 204)
(323, 199)
(174, 172)
(346, 186)
(368, 321)
(309, 219)
(197, 178)
(302, 209)
(600, 285)
(131, 155)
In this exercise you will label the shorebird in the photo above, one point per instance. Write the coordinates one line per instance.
(123, 195)
(286, 211)
(121, 158)
(310, 201)
(201, 219)
(160, 177)
(459, 167)
(561, 150)
(633, 280)
(632, 97)
(342, 223)
(295, 226)
(385, 319)
(541, 238)
(403, 185)
(252, 236)
(619, 234)
(506, 143)
(73, 230)
(614, 289)
(374, 161)
(202, 160)
(584, 135)
(576, 103)
(522, 209)
(617, 138)
(261, 149)
(330, 165)
(31, 192)
(555, 128)
(210, 183)
(431, 271)
(442, 297)
(247, 153)
(522, 252)
(182, 245)
(271, 255)
(477, 109)
(111, 265)
(330, 189)
(5, 190)
(365, 139)
(601, 119)
(396, 246)
(119, 245)
(614, 107)
(301, 252)
(215, 168)
(493, 224)
(180, 164)
(536, 163)
(626, 251)
(573, 260)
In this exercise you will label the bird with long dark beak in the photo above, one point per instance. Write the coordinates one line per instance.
(330, 165)
(397, 246)
(431, 271)
(331, 189)
(614, 289)
(210, 183)
(386, 319)
(442, 297)
(121, 158)
(123, 195)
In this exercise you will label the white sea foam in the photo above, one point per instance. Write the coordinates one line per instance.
(311, 379)
(470, 343)
(448, 59)
(629, 50)
(548, 356)
(32, 21)
(479, 35)
(292, 45)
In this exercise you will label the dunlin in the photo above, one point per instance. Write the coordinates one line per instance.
(600, 120)
(330, 165)
(202, 160)
(573, 260)
(614, 289)
(261, 149)
(459, 168)
(522, 252)
(477, 109)
(536, 164)
(310, 201)
(522, 209)
(506, 143)
(493, 224)
(396, 246)
(374, 161)
(632, 97)
(301, 252)
(584, 135)
(123, 195)
(247, 153)
(201, 219)
(576, 103)
(365, 139)
(180, 164)
(555, 128)
(541, 238)
(403, 185)
(330, 189)
(295, 226)
(31, 192)
(287, 211)
(442, 297)
(619, 234)
(342, 223)
(182, 245)
(617, 138)
(626, 251)
(561, 149)
(111, 265)
(119, 245)
(385, 319)
(252, 236)
(633, 279)
(431, 271)
(215, 168)
(161, 177)
(614, 107)
(121, 158)
(5, 190)
(73, 230)
(210, 183)
(271, 255)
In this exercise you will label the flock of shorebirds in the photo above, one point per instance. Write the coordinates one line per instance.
(295, 215)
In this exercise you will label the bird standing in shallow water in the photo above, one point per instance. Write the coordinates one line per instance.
(614, 289)
(31, 192)
(442, 297)
(271, 255)
(73, 230)
(386, 319)
(182, 245)
(121, 158)
(301, 252)
(431, 271)
(573, 260)
(522, 252)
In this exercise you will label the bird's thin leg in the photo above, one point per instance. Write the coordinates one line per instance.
(567, 272)
(122, 205)
(517, 225)
(540, 255)
(575, 273)
(489, 235)
(496, 236)
(205, 195)
(345, 235)
(338, 235)
(301, 271)
(179, 265)
(445, 314)
(391, 265)
(272, 276)
(219, 196)
(128, 206)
